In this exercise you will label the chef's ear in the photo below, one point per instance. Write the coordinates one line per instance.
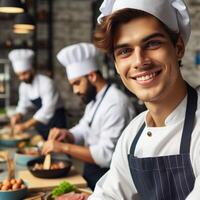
(92, 77)
(180, 48)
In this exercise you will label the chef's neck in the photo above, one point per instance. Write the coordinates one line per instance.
(100, 84)
(161, 109)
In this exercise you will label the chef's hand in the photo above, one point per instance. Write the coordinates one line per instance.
(15, 119)
(59, 134)
(18, 128)
(51, 146)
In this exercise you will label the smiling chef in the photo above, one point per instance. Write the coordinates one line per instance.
(158, 154)
(35, 91)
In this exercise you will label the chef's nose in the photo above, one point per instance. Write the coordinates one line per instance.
(140, 59)
(75, 90)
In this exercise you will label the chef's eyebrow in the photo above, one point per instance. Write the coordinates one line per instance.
(76, 82)
(119, 46)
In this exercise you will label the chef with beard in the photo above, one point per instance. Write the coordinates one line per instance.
(36, 91)
(107, 112)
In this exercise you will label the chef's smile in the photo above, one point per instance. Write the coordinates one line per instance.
(145, 77)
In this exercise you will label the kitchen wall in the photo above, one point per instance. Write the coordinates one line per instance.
(72, 24)
(190, 71)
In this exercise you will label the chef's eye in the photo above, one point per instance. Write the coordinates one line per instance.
(76, 83)
(124, 52)
(153, 44)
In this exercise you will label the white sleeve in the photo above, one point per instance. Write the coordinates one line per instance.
(78, 131)
(24, 102)
(195, 157)
(115, 119)
(49, 97)
(117, 182)
(195, 194)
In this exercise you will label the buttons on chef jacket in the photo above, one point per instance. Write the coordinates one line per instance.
(149, 133)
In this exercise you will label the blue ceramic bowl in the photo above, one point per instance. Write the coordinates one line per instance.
(22, 157)
(13, 142)
(14, 194)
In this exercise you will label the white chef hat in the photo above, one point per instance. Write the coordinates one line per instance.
(78, 59)
(173, 13)
(21, 59)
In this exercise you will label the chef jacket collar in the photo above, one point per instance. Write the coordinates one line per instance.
(101, 92)
(177, 115)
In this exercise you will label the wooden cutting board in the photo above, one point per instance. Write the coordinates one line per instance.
(38, 183)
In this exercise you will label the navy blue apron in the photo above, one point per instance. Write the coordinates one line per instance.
(92, 172)
(166, 177)
(58, 120)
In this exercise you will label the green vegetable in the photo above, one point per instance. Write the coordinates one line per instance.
(64, 187)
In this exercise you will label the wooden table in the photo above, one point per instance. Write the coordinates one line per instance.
(34, 183)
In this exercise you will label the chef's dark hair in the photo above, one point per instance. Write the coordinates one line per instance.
(104, 33)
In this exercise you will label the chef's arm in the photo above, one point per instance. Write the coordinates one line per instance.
(24, 103)
(195, 160)
(30, 123)
(195, 194)
(25, 125)
(15, 119)
(78, 152)
(117, 182)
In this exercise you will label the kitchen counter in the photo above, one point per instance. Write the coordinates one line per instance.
(39, 184)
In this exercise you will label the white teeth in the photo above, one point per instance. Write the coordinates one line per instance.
(146, 77)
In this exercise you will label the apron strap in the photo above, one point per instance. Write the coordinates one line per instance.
(189, 120)
(132, 150)
(90, 123)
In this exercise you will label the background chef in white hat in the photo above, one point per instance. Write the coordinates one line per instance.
(158, 154)
(35, 91)
(107, 112)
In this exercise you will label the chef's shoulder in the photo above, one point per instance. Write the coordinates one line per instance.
(131, 130)
(118, 96)
(44, 78)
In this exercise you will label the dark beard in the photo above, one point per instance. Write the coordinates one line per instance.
(29, 80)
(90, 94)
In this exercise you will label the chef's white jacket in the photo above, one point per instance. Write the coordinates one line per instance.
(43, 87)
(112, 116)
(117, 183)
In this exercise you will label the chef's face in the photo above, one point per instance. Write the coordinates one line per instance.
(26, 76)
(83, 88)
(146, 59)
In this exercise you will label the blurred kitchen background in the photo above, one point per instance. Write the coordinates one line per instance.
(57, 23)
